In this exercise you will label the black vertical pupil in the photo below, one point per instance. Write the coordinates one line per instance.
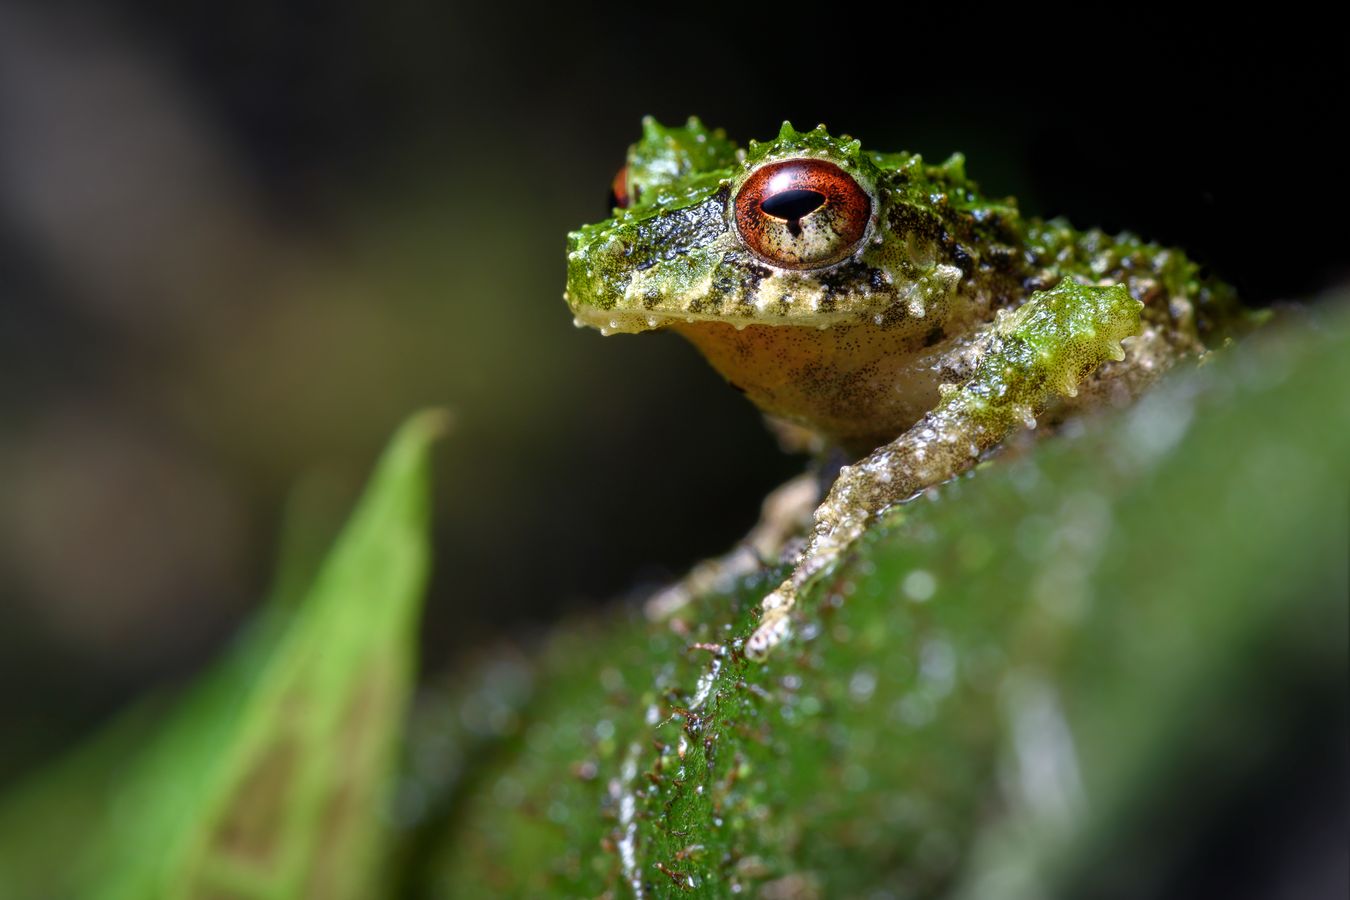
(793, 205)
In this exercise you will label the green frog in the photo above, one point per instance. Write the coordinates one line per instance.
(878, 304)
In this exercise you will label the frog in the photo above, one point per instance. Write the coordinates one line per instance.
(880, 307)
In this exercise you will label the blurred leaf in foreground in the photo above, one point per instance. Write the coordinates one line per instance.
(270, 779)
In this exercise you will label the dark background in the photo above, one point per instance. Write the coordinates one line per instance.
(239, 243)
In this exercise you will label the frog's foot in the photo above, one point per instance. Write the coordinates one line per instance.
(785, 515)
(1038, 352)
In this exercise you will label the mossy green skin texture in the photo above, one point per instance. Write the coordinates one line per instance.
(872, 299)
(857, 348)
(674, 253)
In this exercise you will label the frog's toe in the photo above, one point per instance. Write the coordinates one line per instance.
(775, 624)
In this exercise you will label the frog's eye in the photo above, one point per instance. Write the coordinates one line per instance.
(802, 213)
(620, 196)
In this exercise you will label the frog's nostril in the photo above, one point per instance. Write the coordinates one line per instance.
(793, 205)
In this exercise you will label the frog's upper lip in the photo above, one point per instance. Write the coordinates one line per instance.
(616, 321)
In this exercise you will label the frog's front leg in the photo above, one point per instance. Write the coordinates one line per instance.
(785, 515)
(1039, 351)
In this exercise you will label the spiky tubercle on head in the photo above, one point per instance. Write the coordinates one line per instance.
(844, 151)
(668, 156)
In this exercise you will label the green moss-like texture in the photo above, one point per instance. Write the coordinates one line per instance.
(1033, 681)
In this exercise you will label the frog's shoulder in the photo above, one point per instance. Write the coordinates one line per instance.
(1177, 291)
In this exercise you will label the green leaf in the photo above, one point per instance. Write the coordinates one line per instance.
(1038, 680)
(271, 778)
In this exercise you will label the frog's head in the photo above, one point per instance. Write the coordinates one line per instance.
(804, 230)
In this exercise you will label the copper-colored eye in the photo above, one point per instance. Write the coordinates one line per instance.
(802, 213)
(620, 196)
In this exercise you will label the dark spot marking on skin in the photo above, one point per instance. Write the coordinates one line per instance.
(846, 280)
(754, 274)
(844, 277)
(1001, 257)
(1040, 281)
(934, 336)
(905, 219)
(963, 259)
(674, 232)
(894, 314)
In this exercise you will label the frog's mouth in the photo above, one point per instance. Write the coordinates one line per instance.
(623, 321)
(742, 296)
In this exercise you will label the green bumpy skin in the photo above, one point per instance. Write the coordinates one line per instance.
(899, 314)
(674, 253)
(1049, 346)
(666, 158)
(857, 350)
